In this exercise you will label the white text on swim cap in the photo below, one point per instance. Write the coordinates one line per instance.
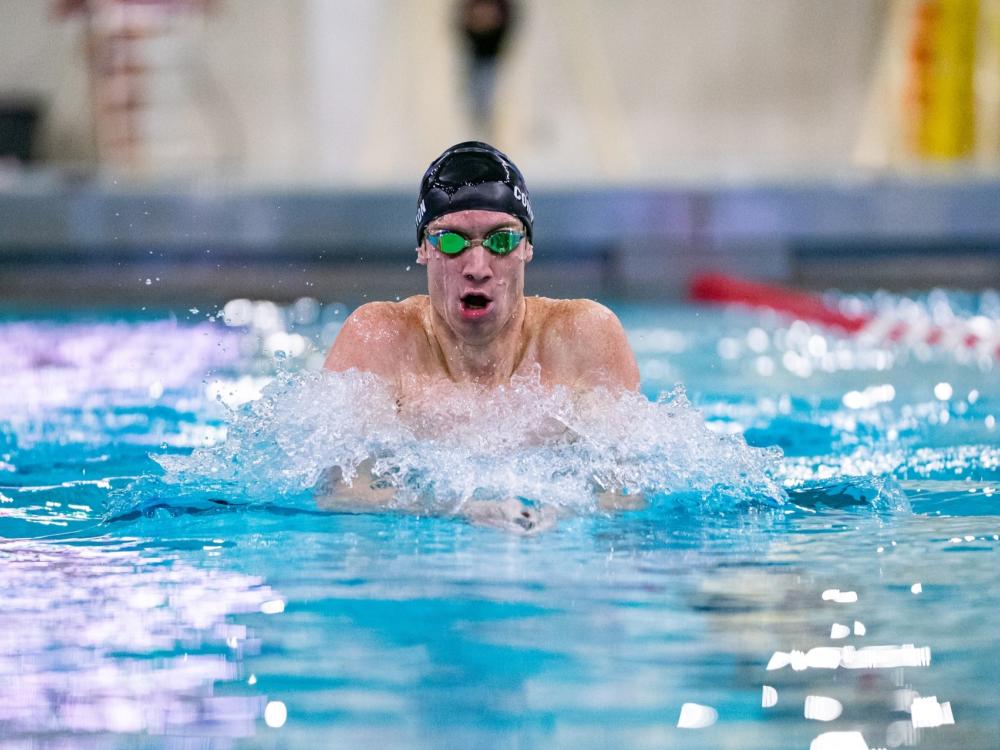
(523, 197)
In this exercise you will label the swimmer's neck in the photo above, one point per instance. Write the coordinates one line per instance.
(489, 362)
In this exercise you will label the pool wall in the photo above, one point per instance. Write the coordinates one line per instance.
(90, 242)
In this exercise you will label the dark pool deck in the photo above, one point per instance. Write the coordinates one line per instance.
(89, 242)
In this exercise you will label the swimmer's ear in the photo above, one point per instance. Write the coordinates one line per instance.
(422, 254)
(529, 251)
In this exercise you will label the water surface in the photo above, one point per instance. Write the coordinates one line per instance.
(150, 600)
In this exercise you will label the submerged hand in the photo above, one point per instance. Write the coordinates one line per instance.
(511, 514)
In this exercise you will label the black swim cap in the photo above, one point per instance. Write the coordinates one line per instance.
(472, 175)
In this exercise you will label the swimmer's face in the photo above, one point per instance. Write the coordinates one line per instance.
(476, 292)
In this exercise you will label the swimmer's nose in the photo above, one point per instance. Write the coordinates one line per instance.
(477, 264)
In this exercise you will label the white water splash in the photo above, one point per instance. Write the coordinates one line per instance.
(462, 445)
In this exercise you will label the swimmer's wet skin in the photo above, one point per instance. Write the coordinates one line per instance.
(475, 326)
(474, 228)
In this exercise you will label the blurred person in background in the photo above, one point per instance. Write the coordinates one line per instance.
(485, 27)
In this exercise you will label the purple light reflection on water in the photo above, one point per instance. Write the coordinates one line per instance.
(105, 639)
(50, 365)
(85, 383)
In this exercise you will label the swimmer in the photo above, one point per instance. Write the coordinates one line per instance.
(475, 328)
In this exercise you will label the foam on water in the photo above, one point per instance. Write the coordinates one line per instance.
(459, 446)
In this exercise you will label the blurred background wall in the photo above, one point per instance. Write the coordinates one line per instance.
(852, 143)
(367, 91)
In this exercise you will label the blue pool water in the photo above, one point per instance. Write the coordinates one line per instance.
(170, 576)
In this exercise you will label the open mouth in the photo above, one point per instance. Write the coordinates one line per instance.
(474, 304)
(475, 301)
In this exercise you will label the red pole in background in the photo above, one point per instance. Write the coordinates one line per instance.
(721, 289)
(975, 333)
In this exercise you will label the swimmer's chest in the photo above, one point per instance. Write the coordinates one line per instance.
(422, 365)
(417, 376)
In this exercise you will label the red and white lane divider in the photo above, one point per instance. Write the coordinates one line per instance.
(978, 335)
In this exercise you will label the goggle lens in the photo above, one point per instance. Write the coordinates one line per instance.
(451, 243)
(500, 242)
(503, 241)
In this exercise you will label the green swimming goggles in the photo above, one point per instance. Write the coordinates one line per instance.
(500, 242)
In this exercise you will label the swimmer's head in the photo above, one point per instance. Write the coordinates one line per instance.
(472, 175)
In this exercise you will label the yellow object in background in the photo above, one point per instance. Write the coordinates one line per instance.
(941, 95)
(988, 83)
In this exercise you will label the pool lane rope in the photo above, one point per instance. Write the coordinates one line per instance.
(977, 334)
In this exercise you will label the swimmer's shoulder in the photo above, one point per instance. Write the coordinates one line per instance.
(585, 340)
(561, 318)
(374, 335)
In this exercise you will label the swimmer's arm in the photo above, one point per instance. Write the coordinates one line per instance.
(368, 341)
(603, 356)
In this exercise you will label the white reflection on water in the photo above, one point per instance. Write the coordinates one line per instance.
(838, 631)
(769, 697)
(839, 741)
(696, 716)
(822, 708)
(927, 712)
(275, 714)
(848, 657)
(105, 639)
(272, 607)
(840, 597)
(886, 657)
